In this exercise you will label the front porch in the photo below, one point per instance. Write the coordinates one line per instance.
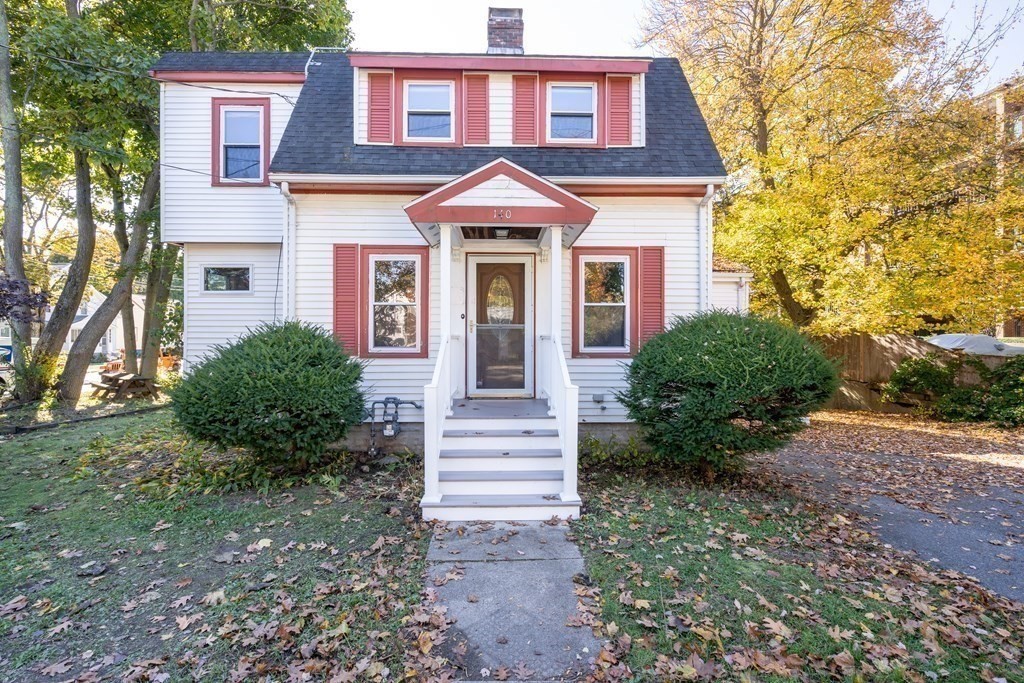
(500, 411)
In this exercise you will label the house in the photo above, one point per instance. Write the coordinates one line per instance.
(494, 233)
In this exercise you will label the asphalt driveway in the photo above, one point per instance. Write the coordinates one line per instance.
(953, 494)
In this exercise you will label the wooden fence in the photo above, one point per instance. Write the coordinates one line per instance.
(867, 361)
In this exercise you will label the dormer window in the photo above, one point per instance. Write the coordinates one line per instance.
(428, 111)
(572, 112)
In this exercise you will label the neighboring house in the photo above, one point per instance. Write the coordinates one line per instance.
(495, 234)
(1006, 103)
(730, 285)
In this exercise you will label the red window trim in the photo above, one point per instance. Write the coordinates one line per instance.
(401, 76)
(365, 252)
(630, 253)
(218, 103)
(600, 110)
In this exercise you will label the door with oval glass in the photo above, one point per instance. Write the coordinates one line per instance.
(499, 326)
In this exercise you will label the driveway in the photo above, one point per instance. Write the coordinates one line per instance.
(953, 494)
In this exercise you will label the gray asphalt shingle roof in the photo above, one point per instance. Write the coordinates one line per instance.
(319, 135)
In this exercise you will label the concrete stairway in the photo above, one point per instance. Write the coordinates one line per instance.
(500, 460)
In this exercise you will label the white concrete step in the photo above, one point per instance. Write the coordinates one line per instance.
(464, 508)
(491, 439)
(500, 423)
(482, 483)
(500, 460)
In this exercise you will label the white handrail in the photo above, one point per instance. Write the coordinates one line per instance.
(437, 397)
(564, 399)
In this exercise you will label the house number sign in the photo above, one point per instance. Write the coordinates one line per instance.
(503, 214)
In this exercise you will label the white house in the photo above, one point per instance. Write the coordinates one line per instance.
(494, 233)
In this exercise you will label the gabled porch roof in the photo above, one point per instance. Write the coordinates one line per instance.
(503, 194)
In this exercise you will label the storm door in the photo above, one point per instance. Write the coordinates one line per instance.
(499, 325)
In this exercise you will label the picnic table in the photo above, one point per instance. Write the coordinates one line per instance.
(122, 385)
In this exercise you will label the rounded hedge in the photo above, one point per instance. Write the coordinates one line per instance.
(283, 391)
(717, 385)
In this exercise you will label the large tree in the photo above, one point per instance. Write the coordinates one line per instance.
(862, 190)
(77, 85)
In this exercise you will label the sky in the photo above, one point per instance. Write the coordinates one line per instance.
(589, 27)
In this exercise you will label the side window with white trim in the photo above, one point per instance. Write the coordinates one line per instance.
(395, 315)
(225, 279)
(242, 143)
(606, 303)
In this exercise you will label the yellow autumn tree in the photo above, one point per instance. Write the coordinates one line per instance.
(863, 190)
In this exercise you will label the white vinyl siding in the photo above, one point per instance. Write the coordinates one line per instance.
(217, 317)
(731, 291)
(638, 112)
(326, 220)
(633, 222)
(500, 87)
(191, 209)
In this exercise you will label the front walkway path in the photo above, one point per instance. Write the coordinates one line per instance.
(510, 589)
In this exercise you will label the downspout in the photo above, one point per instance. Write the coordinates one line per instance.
(288, 255)
(704, 249)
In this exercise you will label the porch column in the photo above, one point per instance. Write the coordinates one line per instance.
(555, 245)
(445, 255)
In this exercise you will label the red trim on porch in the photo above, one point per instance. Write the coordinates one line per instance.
(500, 63)
(229, 76)
(572, 210)
(577, 309)
(365, 252)
(217, 103)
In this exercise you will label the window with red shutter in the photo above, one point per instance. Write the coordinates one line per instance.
(651, 286)
(620, 111)
(524, 110)
(477, 110)
(379, 106)
(605, 302)
(346, 296)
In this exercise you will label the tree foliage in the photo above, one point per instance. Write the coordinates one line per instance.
(864, 189)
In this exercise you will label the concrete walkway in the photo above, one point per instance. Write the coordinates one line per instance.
(510, 589)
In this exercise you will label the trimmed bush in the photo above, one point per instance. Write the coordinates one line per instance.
(282, 391)
(718, 385)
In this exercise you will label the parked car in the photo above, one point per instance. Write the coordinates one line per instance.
(980, 344)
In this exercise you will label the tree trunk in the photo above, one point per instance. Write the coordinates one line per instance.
(163, 260)
(56, 329)
(73, 376)
(131, 361)
(14, 260)
(800, 315)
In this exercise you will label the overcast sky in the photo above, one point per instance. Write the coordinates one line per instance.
(582, 27)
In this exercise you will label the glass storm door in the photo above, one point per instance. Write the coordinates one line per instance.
(499, 326)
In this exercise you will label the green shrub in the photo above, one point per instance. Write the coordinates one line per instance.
(595, 452)
(282, 391)
(998, 396)
(718, 385)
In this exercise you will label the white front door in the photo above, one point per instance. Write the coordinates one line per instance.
(499, 325)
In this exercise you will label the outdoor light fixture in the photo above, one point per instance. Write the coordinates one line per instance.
(501, 233)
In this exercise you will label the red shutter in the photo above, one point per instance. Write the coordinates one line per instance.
(651, 269)
(620, 111)
(524, 110)
(346, 296)
(378, 106)
(477, 110)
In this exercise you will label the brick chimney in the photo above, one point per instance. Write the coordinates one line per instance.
(505, 31)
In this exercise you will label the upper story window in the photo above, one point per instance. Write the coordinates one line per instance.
(429, 111)
(572, 112)
(241, 141)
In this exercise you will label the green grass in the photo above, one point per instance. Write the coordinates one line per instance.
(751, 583)
(337, 570)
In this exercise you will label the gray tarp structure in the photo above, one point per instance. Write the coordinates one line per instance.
(979, 344)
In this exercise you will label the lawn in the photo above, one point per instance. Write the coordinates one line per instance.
(748, 583)
(112, 566)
